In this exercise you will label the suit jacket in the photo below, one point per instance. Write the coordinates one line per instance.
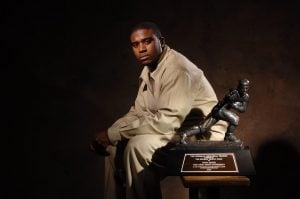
(165, 97)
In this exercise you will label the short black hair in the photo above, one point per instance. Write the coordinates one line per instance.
(147, 25)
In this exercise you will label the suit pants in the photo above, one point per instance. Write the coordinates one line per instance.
(141, 175)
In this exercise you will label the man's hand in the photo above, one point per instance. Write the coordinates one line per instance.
(100, 143)
(102, 138)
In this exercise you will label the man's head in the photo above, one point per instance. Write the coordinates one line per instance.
(147, 43)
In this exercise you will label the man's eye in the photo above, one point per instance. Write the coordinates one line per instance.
(134, 45)
(148, 41)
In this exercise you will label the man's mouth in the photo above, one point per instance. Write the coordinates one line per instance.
(143, 58)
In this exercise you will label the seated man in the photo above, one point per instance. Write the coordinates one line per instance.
(170, 87)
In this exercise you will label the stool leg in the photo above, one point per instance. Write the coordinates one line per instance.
(193, 193)
(213, 193)
(197, 193)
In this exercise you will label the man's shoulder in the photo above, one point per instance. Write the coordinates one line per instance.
(181, 62)
(174, 54)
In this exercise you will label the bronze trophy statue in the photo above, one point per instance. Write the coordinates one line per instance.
(212, 158)
(236, 99)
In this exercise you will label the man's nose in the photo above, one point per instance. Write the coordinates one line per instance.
(142, 47)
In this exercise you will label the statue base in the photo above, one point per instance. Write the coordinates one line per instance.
(208, 158)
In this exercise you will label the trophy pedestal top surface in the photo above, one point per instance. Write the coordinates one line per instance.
(208, 145)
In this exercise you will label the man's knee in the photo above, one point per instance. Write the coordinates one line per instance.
(143, 147)
(139, 147)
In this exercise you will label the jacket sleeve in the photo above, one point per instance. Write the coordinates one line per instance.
(177, 93)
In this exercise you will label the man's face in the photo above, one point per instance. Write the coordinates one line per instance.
(146, 46)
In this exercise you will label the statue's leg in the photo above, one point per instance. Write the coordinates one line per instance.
(229, 136)
(233, 120)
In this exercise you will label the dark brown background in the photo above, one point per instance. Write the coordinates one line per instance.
(68, 71)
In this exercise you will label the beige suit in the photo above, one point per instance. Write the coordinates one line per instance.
(164, 99)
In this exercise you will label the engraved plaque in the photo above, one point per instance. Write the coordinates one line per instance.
(209, 163)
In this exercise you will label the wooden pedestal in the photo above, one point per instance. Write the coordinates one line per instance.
(209, 186)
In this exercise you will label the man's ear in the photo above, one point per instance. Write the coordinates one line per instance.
(162, 42)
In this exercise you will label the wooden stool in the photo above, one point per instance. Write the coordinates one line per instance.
(211, 184)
